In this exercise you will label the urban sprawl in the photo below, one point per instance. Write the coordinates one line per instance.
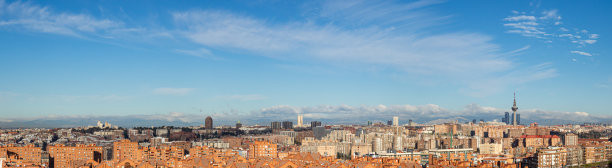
(506, 144)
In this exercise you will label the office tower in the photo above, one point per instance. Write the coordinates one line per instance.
(369, 123)
(474, 121)
(287, 125)
(506, 118)
(410, 123)
(238, 125)
(514, 108)
(389, 122)
(208, 123)
(395, 121)
(300, 120)
(518, 119)
(276, 125)
(315, 124)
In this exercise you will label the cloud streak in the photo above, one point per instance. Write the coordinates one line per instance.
(463, 57)
(24, 15)
(548, 27)
(374, 35)
(247, 97)
(581, 53)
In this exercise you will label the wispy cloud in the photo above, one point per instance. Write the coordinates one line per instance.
(581, 53)
(6, 96)
(67, 98)
(521, 18)
(357, 34)
(413, 15)
(24, 15)
(202, 52)
(455, 54)
(246, 97)
(605, 84)
(494, 84)
(532, 26)
(173, 91)
(548, 26)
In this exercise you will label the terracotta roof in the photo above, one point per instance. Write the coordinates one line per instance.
(539, 136)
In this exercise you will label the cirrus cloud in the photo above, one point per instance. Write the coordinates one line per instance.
(581, 53)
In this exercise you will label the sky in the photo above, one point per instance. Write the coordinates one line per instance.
(344, 61)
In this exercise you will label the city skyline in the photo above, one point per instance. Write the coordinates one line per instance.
(162, 63)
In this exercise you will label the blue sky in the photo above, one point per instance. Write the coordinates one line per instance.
(238, 59)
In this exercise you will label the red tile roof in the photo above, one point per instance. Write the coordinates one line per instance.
(539, 136)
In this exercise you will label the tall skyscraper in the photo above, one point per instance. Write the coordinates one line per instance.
(300, 120)
(208, 123)
(506, 118)
(514, 108)
(395, 121)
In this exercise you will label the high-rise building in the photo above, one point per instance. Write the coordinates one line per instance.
(208, 123)
(395, 121)
(300, 120)
(389, 122)
(315, 124)
(410, 122)
(506, 118)
(287, 125)
(276, 125)
(514, 109)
